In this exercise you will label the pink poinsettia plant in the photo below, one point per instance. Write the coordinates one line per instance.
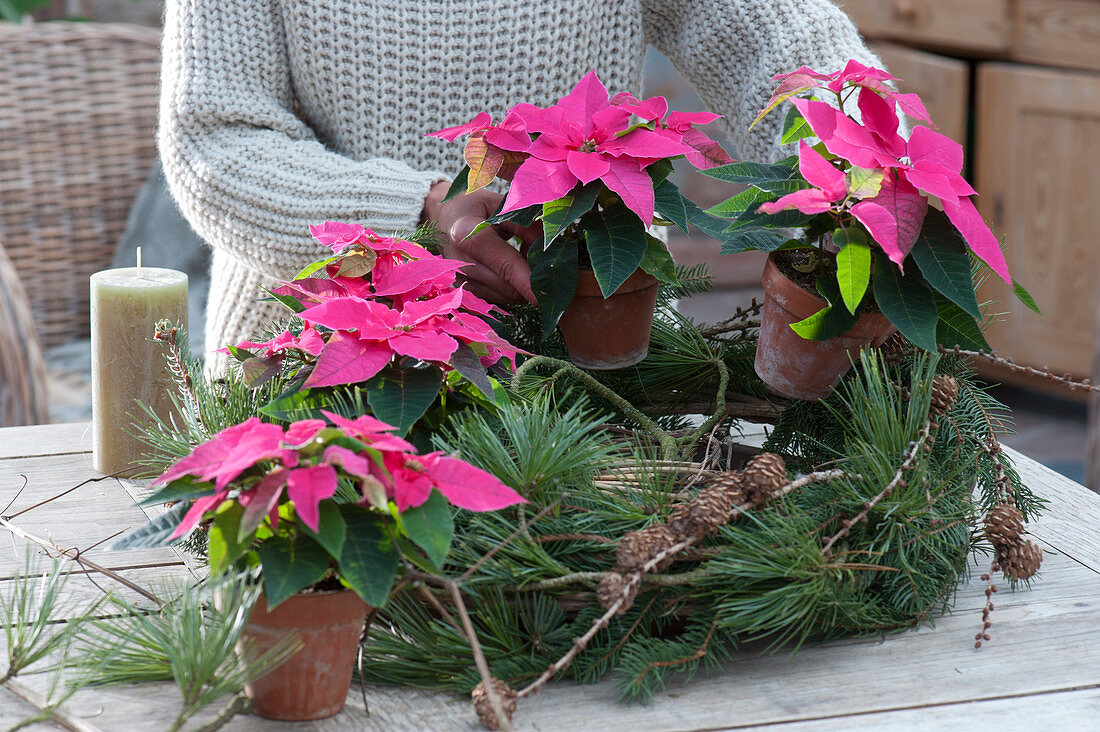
(334, 498)
(858, 192)
(593, 170)
(382, 313)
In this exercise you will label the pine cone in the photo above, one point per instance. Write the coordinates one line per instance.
(1003, 525)
(732, 482)
(638, 547)
(945, 389)
(703, 515)
(895, 347)
(1021, 560)
(765, 474)
(611, 588)
(683, 524)
(484, 707)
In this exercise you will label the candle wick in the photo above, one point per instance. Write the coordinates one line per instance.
(139, 262)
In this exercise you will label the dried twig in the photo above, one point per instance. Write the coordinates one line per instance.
(75, 555)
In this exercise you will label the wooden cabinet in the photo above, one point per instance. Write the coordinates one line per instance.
(1018, 83)
(1038, 173)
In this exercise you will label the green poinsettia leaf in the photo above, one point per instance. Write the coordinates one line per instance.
(459, 184)
(745, 201)
(560, 213)
(957, 328)
(907, 301)
(467, 363)
(795, 127)
(287, 300)
(290, 566)
(155, 533)
(554, 279)
(616, 242)
(313, 267)
(659, 171)
(1025, 297)
(774, 178)
(368, 562)
(670, 204)
(853, 265)
(402, 396)
(943, 259)
(431, 526)
(223, 544)
(331, 529)
(829, 322)
(759, 239)
(658, 261)
(303, 404)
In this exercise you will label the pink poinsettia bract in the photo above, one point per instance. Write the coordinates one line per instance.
(297, 470)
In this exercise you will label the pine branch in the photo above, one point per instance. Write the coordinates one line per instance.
(914, 449)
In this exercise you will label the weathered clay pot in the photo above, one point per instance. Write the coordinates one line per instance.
(604, 334)
(313, 683)
(798, 367)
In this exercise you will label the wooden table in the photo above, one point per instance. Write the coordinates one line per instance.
(1042, 666)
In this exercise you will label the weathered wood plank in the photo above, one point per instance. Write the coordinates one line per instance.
(1071, 521)
(46, 439)
(79, 519)
(14, 710)
(1064, 709)
(82, 589)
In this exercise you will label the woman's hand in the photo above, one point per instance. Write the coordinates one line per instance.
(498, 272)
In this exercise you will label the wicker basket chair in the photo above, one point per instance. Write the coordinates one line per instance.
(22, 371)
(78, 105)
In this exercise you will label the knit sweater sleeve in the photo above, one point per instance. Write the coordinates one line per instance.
(730, 49)
(249, 175)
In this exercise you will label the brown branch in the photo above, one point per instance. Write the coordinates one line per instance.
(699, 653)
(1066, 379)
(66, 492)
(512, 537)
(75, 556)
(503, 721)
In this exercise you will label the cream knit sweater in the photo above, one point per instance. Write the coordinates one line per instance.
(279, 114)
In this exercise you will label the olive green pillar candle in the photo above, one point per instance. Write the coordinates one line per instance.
(127, 365)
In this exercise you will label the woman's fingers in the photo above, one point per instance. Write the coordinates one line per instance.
(497, 265)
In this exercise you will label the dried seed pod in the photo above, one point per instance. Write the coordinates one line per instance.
(1003, 525)
(484, 707)
(765, 475)
(638, 547)
(612, 586)
(1021, 560)
(945, 389)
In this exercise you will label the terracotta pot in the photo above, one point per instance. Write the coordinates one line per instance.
(604, 334)
(313, 683)
(798, 367)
